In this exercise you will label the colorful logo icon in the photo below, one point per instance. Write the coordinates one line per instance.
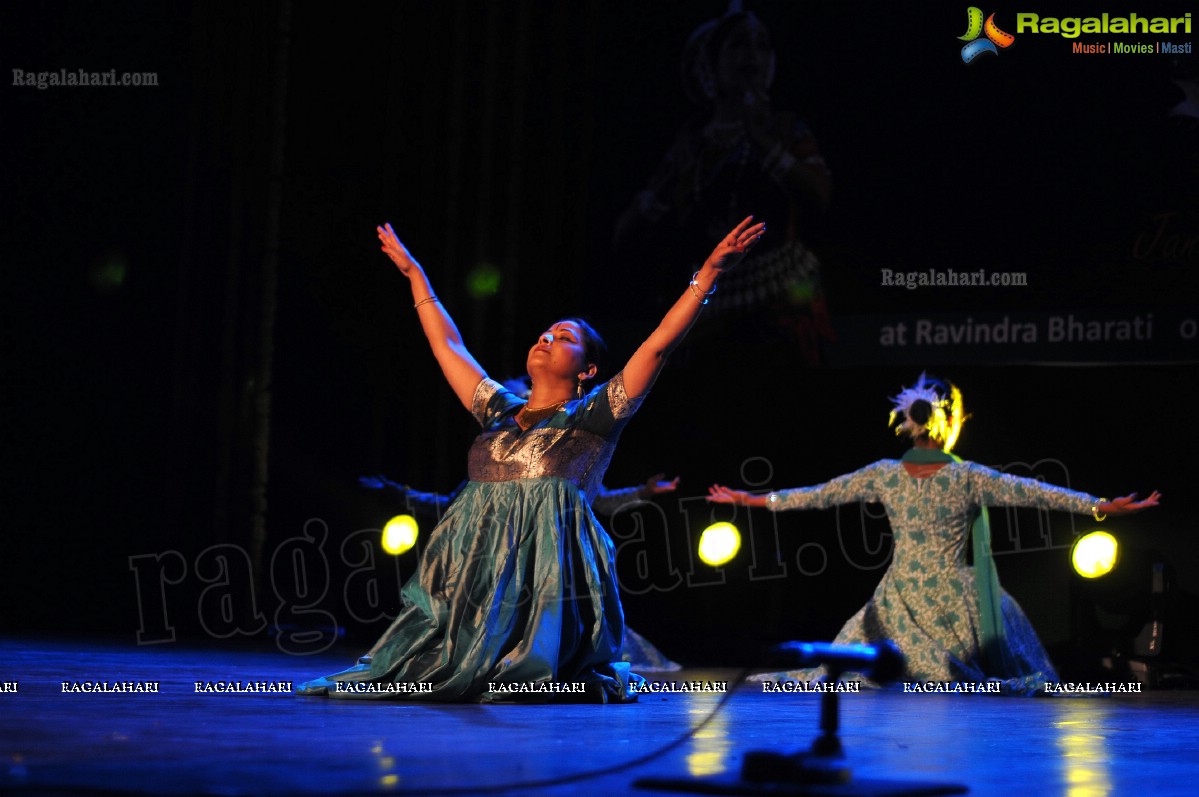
(975, 27)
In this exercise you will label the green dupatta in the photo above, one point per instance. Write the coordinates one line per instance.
(992, 638)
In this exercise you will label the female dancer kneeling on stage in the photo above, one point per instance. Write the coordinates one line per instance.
(517, 585)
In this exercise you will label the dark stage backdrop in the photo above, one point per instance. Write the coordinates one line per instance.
(204, 347)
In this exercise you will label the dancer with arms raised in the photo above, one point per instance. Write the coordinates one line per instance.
(517, 585)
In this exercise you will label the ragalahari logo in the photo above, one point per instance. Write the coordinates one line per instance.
(975, 27)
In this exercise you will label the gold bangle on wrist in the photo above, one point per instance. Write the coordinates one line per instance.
(425, 300)
(1095, 511)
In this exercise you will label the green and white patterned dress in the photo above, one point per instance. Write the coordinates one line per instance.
(927, 602)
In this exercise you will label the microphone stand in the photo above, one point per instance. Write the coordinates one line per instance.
(824, 762)
(819, 770)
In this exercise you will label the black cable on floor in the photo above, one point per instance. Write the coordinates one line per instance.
(596, 773)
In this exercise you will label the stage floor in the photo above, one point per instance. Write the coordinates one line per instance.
(180, 741)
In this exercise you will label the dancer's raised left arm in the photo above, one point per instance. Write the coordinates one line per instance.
(646, 363)
(993, 488)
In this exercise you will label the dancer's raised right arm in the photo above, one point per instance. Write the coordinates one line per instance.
(461, 369)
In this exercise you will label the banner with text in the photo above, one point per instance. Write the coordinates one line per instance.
(1158, 334)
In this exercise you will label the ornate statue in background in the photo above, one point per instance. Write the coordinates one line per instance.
(740, 152)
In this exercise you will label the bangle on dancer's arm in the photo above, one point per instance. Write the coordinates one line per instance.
(1095, 513)
(772, 501)
(700, 295)
(426, 300)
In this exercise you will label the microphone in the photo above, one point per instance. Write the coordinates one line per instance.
(882, 662)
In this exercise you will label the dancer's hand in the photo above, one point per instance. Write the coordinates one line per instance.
(1128, 504)
(656, 485)
(398, 253)
(718, 494)
(736, 244)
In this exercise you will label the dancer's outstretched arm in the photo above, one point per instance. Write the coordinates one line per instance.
(646, 363)
(461, 369)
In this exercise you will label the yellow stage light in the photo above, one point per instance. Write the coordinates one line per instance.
(1095, 554)
(719, 543)
(399, 535)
